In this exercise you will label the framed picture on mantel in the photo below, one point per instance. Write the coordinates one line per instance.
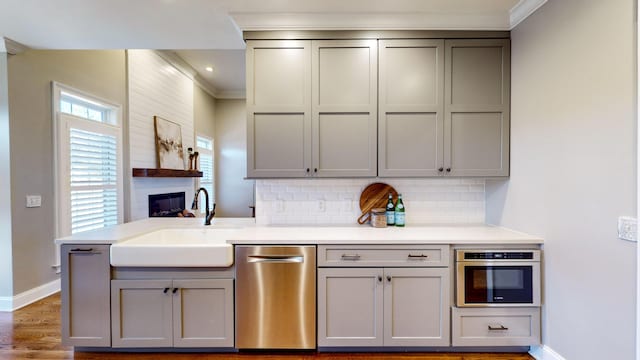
(169, 152)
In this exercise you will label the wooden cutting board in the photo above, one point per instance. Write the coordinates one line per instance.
(374, 196)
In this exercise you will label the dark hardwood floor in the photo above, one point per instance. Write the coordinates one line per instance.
(33, 332)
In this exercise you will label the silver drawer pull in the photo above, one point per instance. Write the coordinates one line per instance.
(350, 257)
(417, 257)
(275, 259)
(82, 250)
(501, 328)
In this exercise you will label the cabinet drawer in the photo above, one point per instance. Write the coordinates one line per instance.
(495, 326)
(383, 255)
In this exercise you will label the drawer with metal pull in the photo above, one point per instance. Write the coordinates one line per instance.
(383, 255)
(495, 326)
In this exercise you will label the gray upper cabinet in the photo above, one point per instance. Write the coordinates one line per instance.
(311, 108)
(278, 108)
(85, 295)
(344, 107)
(477, 98)
(411, 107)
(390, 108)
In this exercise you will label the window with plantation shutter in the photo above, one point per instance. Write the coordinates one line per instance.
(88, 162)
(93, 180)
(204, 146)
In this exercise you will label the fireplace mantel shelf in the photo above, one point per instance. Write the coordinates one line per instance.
(167, 173)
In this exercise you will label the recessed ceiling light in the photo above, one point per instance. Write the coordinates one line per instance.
(209, 69)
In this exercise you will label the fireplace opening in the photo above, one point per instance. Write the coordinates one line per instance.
(166, 205)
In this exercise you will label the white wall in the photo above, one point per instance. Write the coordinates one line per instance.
(6, 273)
(573, 170)
(234, 194)
(337, 201)
(156, 88)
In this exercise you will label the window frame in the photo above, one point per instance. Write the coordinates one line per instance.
(61, 123)
(204, 151)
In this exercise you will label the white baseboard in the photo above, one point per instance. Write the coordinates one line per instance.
(544, 353)
(12, 303)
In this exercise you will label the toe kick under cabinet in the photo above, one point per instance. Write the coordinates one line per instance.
(372, 296)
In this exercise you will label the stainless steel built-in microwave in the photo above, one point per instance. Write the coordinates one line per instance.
(497, 278)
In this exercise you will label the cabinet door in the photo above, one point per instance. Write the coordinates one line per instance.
(278, 108)
(411, 107)
(344, 108)
(477, 97)
(416, 307)
(203, 313)
(141, 313)
(85, 313)
(350, 307)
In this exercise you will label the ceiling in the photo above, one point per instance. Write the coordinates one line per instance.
(216, 25)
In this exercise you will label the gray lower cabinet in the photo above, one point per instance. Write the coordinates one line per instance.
(495, 326)
(85, 283)
(369, 307)
(172, 313)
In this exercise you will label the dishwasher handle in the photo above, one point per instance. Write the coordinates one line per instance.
(275, 259)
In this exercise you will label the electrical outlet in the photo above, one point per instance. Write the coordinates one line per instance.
(322, 207)
(34, 201)
(628, 228)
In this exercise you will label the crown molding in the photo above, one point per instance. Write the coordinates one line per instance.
(12, 47)
(251, 21)
(181, 65)
(232, 94)
(522, 10)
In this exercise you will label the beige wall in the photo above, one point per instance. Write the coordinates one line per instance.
(573, 170)
(204, 112)
(234, 194)
(6, 279)
(101, 73)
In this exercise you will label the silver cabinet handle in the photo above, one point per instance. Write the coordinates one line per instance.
(417, 257)
(350, 257)
(88, 251)
(282, 259)
(81, 250)
(501, 328)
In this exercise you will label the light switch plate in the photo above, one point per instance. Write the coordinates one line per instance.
(34, 201)
(628, 228)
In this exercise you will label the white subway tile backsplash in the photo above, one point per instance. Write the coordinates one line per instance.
(336, 201)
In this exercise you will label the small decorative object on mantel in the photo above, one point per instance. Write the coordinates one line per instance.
(169, 151)
(190, 152)
(193, 159)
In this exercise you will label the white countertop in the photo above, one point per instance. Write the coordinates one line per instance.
(249, 233)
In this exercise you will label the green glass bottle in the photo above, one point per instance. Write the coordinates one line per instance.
(399, 212)
(391, 214)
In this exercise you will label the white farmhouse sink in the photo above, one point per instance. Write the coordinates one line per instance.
(176, 247)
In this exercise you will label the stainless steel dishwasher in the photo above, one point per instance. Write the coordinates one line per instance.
(275, 297)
